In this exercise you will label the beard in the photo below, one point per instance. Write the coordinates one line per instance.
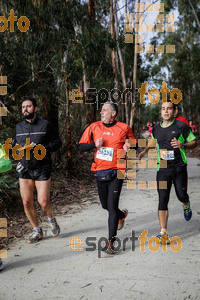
(29, 116)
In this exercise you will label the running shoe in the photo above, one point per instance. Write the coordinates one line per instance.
(122, 221)
(109, 247)
(1, 265)
(187, 212)
(55, 228)
(162, 238)
(35, 236)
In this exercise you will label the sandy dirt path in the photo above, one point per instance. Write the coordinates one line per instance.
(51, 270)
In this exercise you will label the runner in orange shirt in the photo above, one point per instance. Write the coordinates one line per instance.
(105, 137)
(178, 117)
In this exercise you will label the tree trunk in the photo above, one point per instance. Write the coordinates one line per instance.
(114, 57)
(126, 6)
(194, 12)
(69, 141)
(91, 9)
(121, 63)
(67, 105)
(133, 105)
(90, 108)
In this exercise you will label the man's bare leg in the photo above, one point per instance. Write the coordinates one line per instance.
(43, 190)
(163, 218)
(43, 194)
(26, 191)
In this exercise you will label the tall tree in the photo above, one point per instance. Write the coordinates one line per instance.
(114, 56)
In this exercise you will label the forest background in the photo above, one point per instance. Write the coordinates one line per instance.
(81, 45)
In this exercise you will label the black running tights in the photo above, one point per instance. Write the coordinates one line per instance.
(109, 193)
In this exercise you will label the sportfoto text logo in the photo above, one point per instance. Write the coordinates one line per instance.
(93, 244)
(93, 96)
(128, 164)
(23, 23)
(18, 150)
(3, 92)
(3, 234)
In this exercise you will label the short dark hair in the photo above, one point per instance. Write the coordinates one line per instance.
(31, 99)
(113, 106)
(177, 106)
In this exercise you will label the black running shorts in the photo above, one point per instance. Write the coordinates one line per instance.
(36, 174)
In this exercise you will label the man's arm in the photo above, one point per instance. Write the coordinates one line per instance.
(54, 140)
(190, 140)
(189, 145)
(86, 147)
(13, 143)
(133, 143)
(87, 142)
(142, 154)
(151, 144)
(90, 146)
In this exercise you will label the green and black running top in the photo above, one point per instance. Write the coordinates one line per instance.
(164, 135)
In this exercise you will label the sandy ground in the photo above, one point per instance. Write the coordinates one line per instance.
(50, 269)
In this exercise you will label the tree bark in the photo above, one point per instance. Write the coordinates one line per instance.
(121, 63)
(114, 57)
(133, 105)
(194, 12)
(91, 9)
(69, 141)
(67, 105)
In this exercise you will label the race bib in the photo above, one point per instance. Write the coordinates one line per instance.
(167, 154)
(105, 153)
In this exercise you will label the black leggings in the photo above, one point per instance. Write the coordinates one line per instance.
(109, 193)
(177, 175)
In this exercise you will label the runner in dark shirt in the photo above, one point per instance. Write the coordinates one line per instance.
(172, 137)
(34, 168)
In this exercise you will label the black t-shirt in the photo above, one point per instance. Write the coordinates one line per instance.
(40, 132)
(164, 135)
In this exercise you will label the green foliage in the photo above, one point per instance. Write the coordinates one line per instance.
(6, 181)
(181, 69)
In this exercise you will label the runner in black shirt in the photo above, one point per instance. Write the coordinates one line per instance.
(173, 137)
(33, 170)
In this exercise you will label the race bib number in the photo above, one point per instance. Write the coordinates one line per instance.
(167, 154)
(105, 153)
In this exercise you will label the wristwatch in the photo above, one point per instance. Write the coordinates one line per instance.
(184, 145)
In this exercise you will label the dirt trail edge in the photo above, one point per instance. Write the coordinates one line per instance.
(51, 270)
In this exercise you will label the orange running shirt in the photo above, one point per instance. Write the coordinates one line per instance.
(113, 138)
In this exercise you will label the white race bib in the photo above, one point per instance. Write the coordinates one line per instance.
(167, 154)
(105, 153)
